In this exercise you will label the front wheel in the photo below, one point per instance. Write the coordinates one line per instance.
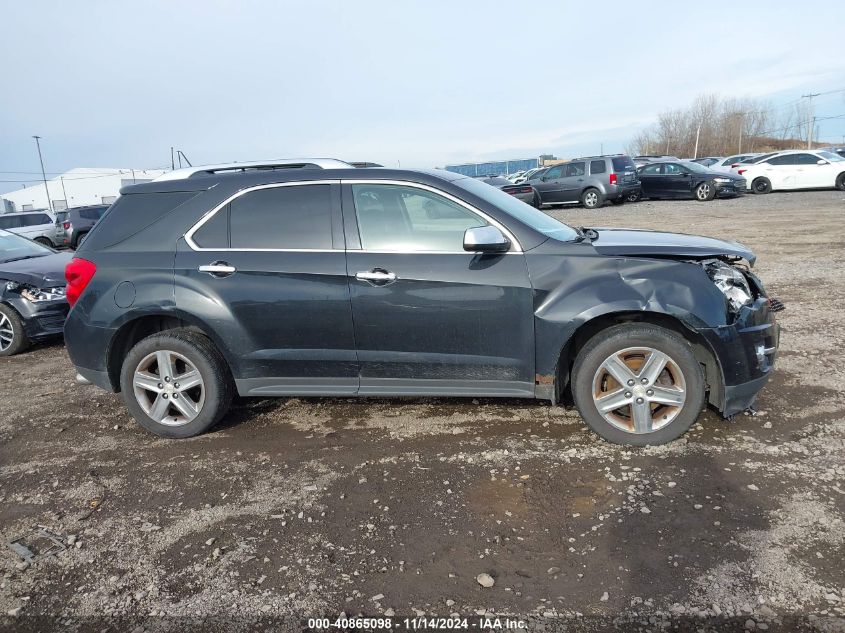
(13, 338)
(705, 192)
(176, 384)
(638, 384)
(840, 181)
(591, 199)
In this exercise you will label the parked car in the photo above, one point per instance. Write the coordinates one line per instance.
(72, 226)
(35, 225)
(531, 173)
(524, 191)
(337, 281)
(688, 180)
(795, 169)
(725, 164)
(32, 292)
(707, 161)
(589, 181)
(836, 150)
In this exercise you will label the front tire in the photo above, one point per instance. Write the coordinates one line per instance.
(705, 192)
(591, 199)
(176, 384)
(13, 337)
(840, 181)
(638, 384)
(761, 185)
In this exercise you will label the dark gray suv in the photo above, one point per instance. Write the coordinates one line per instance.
(590, 181)
(315, 278)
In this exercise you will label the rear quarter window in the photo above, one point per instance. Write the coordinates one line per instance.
(132, 213)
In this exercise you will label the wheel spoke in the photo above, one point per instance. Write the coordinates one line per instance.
(147, 381)
(653, 366)
(159, 409)
(188, 380)
(613, 401)
(674, 397)
(186, 407)
(618, 369)
(165, 365)
(641, 413)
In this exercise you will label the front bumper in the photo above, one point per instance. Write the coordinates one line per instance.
(746, 351)
(730, 189)
(42, 319)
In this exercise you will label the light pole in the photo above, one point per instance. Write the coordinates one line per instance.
(697, 134)
(810, 118)
(43, 175)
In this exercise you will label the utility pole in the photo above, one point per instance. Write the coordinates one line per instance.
(43, 175)
(67, 202)
(810, 117)
(172, 160)
(697, 134)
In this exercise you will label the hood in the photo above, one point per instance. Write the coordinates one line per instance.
(657, 243)
(41, 272)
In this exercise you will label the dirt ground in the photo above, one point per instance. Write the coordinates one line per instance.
(329, 506)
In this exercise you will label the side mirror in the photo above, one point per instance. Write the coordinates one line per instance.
(486, 239)
(821, 161)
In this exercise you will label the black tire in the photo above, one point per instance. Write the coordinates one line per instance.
(536, 202)
(592, 199)
(635, 196)
(200, 351)
(632, 335)
(11, 320)
(44, 241)
(704, 191)
(761, 185)
(840, 181)
(79, 239)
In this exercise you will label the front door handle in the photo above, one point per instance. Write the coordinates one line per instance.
(377, 276)
(218, 269)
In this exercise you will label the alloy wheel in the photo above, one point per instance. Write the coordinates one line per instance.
(639, 390)
(7, 333)
(703, 191)
(591, 199)
(169, 388)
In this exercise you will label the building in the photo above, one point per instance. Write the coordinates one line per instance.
(76, 188)
(494, 168)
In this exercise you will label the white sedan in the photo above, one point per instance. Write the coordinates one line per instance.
(794, 169)
(725, 164)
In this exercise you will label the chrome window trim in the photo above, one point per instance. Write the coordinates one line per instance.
(516, 248)
(189, 236)
(515, 245)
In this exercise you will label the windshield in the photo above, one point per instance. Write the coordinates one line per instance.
(16, 247)
(523, 212)
(833, 158)
(697, 168)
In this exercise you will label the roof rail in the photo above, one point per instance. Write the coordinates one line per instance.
(284, 163)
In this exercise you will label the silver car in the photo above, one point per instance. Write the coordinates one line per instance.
(38, 226)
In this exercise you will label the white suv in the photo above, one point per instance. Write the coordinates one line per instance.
(794, 169)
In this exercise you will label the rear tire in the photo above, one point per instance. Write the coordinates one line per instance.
(44, 241)
(704, 192)
(840, 181)
(680, 378)
(761, 185)
(81, 239)
(194, 359)
(592, 199)
(536, 202)
(13, 337)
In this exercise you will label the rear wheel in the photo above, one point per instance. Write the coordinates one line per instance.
(638, 384)
(592, 199)
(840, 181)
(536, 202)
(761, 185)
(81, 239)
(13, 338)
(176, 384)
(44, 241)
(705, 192)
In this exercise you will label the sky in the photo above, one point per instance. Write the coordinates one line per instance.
(409, 83)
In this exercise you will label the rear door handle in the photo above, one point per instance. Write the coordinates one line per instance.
(218, 269)
(376, 276)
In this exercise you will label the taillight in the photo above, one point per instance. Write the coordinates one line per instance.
(515, 190)
(78, 273)
(66, 226)
(613, 179)
(741, 171)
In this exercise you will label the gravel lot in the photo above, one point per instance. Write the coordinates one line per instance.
(308, 507)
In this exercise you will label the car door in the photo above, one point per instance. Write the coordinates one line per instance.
(266, 270)
(429, 317)
(549, 185)
(572, 183)
(781, 171)
(651, 180)
(812, 174)
(677, 180)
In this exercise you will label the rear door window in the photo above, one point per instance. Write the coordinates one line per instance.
(575, 169)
